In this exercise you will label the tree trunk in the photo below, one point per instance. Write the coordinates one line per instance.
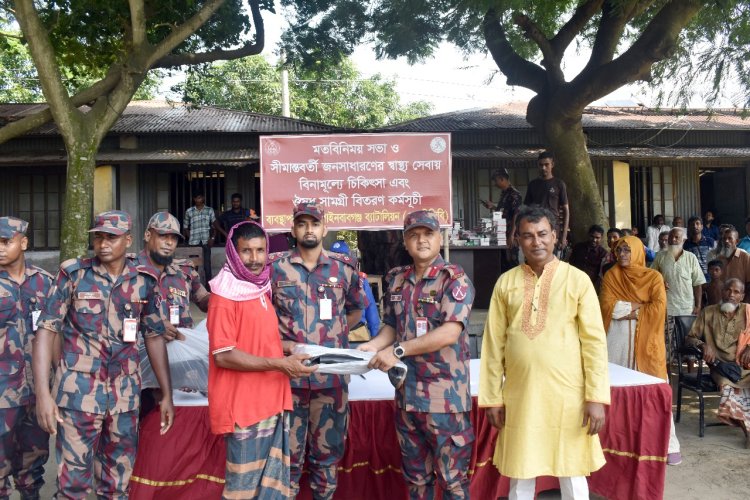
(564, 136)
(79, 196)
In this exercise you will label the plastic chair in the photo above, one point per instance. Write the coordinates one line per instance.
(698, 382)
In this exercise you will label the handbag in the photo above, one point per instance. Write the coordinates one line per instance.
(731, 371)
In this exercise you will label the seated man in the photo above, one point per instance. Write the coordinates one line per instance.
(716, 332)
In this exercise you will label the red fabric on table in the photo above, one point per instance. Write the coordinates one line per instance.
(187, 462)
(635, 440)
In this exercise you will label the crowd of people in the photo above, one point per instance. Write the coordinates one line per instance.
(71, 362)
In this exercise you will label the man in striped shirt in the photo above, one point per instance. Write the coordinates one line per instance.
(199, 231)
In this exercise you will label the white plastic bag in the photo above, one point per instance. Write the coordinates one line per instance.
(188, 361)
(346, 362)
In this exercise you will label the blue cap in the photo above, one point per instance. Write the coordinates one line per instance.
(340, 246)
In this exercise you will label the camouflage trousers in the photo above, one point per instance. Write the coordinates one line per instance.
(95, 448)
(319, 424)
(258, 460)
(24, 451)
(435, 444)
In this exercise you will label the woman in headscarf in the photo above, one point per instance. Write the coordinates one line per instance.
(634, 307)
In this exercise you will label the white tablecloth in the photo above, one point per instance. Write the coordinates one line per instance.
(375, 385)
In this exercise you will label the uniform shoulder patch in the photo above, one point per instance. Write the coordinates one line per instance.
(343, 258)
(185, 264)
(454, 271)
(73, 265)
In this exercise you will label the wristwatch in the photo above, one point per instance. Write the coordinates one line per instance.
(398, 350)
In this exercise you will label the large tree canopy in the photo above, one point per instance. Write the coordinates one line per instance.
(336, 94)
(685, 41)
(113, 45)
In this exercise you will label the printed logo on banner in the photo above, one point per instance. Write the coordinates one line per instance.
(272, 148)
(437, 145)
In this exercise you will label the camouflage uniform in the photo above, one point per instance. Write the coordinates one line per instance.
(321, 412)
(433, 405)
(24, 445)
(179, 283)
(97, 383)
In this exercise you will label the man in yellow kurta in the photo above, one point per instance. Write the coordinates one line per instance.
(544, 379)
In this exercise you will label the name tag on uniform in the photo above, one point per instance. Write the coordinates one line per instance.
(422, 326)
(326, 309)
(396, 298)
(90, 295)
(129, 329)
(177, 291)
(35, 319)
(174, 314)
(286, 283)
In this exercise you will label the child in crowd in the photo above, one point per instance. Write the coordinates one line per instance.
(713, 287)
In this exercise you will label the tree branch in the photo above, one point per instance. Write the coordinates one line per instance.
(249, 49)
(64, 113)
(183, 31)
(657, 42)
(30, 122)
(518, 70)
(549, 59)
(615, 17)
(137, 23)
(574, 26)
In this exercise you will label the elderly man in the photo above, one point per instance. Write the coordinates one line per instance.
(699, 244)
(736, 262)
(544, 367)
(716, 332)
(683, 280)
(427, 310)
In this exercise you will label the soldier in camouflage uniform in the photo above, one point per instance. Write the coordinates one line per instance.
(99, 305)
(317, 297)
(427, 306)
(178, 282)
(25, 446)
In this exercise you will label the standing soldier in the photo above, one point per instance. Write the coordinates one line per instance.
(96, 306)
(23, 288)
(427, 306)
(317, 298)
(177, 281)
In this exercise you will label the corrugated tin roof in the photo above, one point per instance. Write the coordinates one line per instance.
(246, 155)
(608, 152)
(513, 116)
(158, 117)
(138, 156)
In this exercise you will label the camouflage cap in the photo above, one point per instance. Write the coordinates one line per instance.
(164, 223)
(422, 218)
(10, 226)
(309, 208)
(112, 222)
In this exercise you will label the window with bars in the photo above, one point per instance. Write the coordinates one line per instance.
(39, 200)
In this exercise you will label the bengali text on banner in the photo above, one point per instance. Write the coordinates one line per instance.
(362, 181)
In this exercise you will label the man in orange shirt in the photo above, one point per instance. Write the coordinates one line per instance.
(249, 396)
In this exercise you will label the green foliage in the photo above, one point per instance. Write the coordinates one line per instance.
(19, 81)
(712, 52)
(335, 94)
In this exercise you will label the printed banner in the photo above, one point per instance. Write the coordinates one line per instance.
(362, 181)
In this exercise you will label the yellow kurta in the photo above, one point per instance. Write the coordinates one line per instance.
(545, 336)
